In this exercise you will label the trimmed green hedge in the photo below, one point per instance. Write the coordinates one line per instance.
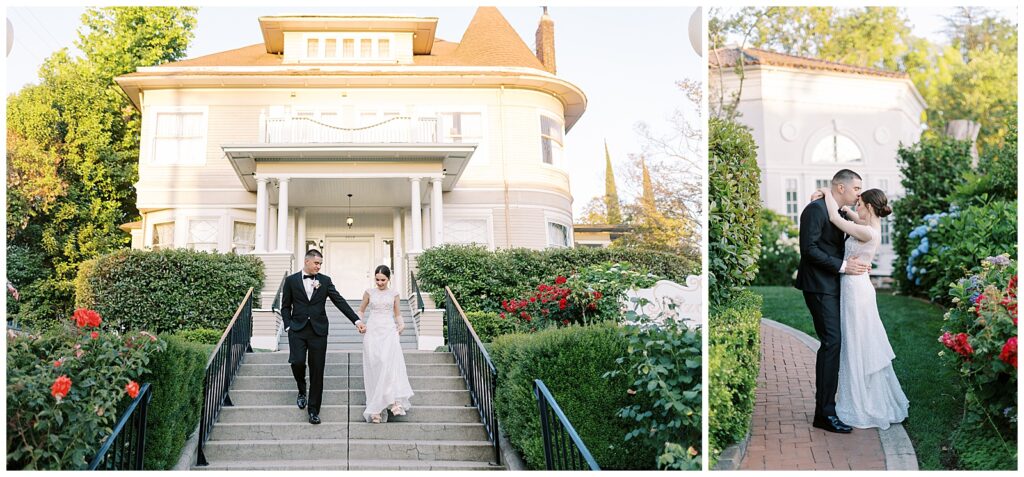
(168, 290)
(780, 250)
(177, 376)
(571, 362)
(489, 326)
(734, 198)
(480, 278)
(734, 353)
(204, 336)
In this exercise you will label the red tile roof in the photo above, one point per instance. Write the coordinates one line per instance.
(729, 57)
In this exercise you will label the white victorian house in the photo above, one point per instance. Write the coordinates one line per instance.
(811, 117)
(365, 137)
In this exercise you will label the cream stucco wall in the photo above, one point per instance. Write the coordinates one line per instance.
(789, 111)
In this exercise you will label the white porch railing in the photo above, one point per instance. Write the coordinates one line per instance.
(399, 129)
(670, 299)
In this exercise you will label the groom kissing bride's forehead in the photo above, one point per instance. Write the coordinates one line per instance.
(846, 187)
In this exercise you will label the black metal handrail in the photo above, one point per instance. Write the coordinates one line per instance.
(563, 448)
(221, 369)
(416, 291)
(475, 365)
(125, 448)
(276, 306)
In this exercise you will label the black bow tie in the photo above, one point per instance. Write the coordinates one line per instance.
(309, 277)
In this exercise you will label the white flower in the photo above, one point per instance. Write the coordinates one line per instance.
(316, 284)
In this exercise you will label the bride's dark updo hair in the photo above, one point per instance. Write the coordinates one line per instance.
(383, 269)
(876, 198)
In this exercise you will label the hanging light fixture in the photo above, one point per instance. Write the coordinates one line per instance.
(349, 221)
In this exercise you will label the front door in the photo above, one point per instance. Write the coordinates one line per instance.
(348, 263)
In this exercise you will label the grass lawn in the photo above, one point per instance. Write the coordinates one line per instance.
(936, 401)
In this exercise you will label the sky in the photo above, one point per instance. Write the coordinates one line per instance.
(626, 61)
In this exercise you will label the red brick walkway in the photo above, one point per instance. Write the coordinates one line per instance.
(781, 436)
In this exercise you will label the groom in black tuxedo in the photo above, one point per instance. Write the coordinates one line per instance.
(822, 247)
(304, 313)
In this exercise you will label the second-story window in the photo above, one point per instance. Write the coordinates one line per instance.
(179, 138)
(313, 47)
(348, 48)
(331, 48)
(550, 140)
(461, 127)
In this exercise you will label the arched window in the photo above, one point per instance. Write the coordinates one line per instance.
(836, 148)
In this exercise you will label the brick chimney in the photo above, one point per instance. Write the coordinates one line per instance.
(546, 42)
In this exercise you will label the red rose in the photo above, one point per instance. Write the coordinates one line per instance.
(562, 304)
(502, 315)
(1009, 353)
(592, 306)
(527, 318)
(565, 322)
(56, 364)
(61, 387)
(560, 280)
(84, 318)
(94, 335)
(533, 299)
(132, 388)
(597, 295)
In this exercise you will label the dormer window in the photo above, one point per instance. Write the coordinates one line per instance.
(361, 47)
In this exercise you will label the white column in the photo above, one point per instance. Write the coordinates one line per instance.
(396, 266)
(428, 228)
(271, 228)
(261, 215)
(300, 235)
(282, 215)
(437, 214)
(417, 218)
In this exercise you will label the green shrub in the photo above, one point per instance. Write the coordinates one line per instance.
(47, 430)
(177, 376)
(590, 296)
(664, 362)
(480, 278)
(734, 239)
(571, 362)
(168, 290)
(995, 178)
(948, 245)
(205, 336)
(780, 250)
(930, 170)
(734, 354)
(489, 326)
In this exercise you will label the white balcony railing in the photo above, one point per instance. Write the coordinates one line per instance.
(399, 129)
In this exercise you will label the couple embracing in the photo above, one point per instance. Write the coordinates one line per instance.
(855, 385)
(303, 310)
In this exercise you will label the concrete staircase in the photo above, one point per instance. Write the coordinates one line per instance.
(264, 430)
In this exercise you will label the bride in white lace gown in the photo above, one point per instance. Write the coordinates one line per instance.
(384, 375)
(869, 393)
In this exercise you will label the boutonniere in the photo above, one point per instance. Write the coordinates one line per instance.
(316, 284)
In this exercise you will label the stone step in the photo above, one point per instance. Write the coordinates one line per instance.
(339, 382)
(406, 345)
(406, 337)
(265, 397)
(259, 450)
(372, 449)
(353, 369)
(337, 412)
(335, 356)
(349, 465)
(357, 430)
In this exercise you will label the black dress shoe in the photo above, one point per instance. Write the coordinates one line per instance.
(314, 419)
(832, 424)
(301, 401)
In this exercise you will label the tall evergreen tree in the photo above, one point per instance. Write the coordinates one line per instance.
(611, 194)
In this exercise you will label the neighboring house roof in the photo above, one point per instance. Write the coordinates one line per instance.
(489, 40)
(729, 57)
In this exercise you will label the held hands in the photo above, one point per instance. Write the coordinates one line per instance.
(856, 267)
(361, 327)
(401, 327)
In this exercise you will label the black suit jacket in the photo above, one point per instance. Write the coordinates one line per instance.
(822, 246)
(297, 310)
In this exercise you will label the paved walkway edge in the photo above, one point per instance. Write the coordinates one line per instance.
(899, 451)
(732, 456)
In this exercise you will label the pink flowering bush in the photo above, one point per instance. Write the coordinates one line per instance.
(980, 334)
(66, 388)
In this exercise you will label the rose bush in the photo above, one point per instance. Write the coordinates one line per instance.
(591, 296)
(981, 331)
(66, 389)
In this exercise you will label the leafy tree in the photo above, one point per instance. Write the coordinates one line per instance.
(73, 142)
